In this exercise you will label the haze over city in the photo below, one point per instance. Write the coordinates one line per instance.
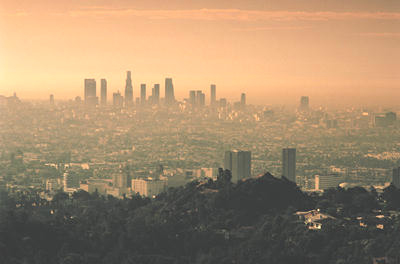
(335, 51)
(199, 131)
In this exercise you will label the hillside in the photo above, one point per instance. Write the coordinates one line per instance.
(213, 222)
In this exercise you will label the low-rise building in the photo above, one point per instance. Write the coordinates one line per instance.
(53, 185)
(313, 219)
(96, 185)
(323, 182)
(148, 187)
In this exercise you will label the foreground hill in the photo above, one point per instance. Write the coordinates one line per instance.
(213, 222)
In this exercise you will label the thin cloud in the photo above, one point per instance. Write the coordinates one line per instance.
(233, 14)
(18, 13)
(271, 28)
(381, 34)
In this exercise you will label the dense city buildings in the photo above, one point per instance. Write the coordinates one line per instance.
(6, 101)
(385, 119)
(289, 163)
(54, 185)
(98, 186)
(296, 161)
(189, 141)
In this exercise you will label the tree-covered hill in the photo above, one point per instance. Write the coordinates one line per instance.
(203, 222)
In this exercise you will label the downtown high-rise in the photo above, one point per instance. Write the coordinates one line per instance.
(213, 94)
(128, 90)
(289, 163)
(243, 100)
(143, 93)
(169, 92)
(304, 103)
(103, 92)
(90, 92)
(239, 163)
(192, 97)
(155, 94)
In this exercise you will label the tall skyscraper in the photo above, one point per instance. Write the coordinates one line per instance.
(199, 96)
(192, 97)
(243, 100)
(128, 90)
(289, 163)
(304, 103)
(202, 99)
(103, 91)
(223, 102)
(143, 93)
(118, 100)
(169, 92)
(90, 92)
(239, 163)
(51, 99)
(213, 94)
(155, 95)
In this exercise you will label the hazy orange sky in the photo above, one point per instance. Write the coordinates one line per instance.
(274, 51)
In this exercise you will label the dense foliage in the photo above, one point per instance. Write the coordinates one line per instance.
(213, 222)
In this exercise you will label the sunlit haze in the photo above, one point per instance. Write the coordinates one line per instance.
(199, 131)
(275, 51)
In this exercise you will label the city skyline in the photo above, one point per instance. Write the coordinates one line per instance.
(328, 50)
(207, 131)
(90, 94)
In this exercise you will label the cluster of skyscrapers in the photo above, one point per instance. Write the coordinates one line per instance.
(196, 97)
(127, 100)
